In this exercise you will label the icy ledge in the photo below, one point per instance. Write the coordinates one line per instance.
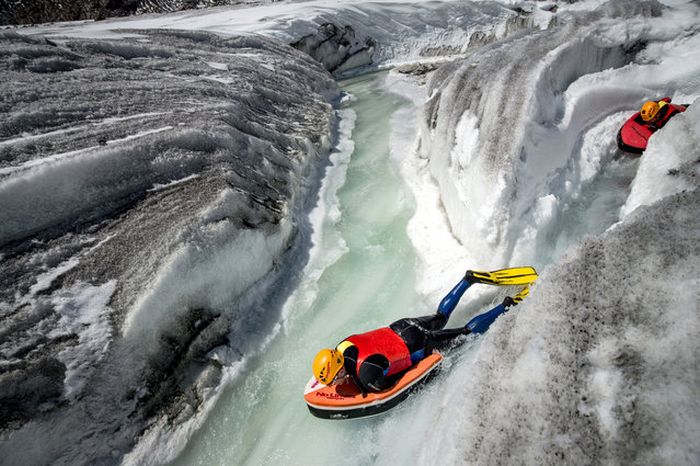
(507, 129)
(344, 36)
(599, 365)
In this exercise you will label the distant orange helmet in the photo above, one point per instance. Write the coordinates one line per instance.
(649, 110)
(327, 364)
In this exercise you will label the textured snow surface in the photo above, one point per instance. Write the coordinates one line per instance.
(600, 364)
(397, 31)
(147, 187)
(549, 97)
(669, 163)
(151, 182)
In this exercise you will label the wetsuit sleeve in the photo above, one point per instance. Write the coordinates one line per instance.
(350, 353)
(441, 339)
(372, 373)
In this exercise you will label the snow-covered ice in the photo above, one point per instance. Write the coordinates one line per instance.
(155, 186)
(143, 208)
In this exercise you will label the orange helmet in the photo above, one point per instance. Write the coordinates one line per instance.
(327, 364)
(649, 110)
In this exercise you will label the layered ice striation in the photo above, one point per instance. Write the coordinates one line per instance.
(518, 133)
(348, 36)
(600, 364)
(150, 186)
(151, 195)
(351, 37)
(44, 11)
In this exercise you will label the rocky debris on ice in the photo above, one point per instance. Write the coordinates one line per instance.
(600, 365)
(44, 11)
(349, 38)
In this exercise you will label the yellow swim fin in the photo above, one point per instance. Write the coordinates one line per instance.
(504, 277)
(520, 296)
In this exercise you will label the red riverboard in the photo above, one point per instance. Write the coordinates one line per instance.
(634, 135)
(342, 399)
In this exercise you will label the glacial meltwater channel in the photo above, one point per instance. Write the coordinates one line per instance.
(360, 276)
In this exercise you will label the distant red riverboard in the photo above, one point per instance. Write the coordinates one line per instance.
(634, 135)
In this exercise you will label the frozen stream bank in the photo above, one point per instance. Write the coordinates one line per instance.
(577, 372)
(361, 275)
(132, 220)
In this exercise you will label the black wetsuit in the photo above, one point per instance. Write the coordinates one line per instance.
(422, 335)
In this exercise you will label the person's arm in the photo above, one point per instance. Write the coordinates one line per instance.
(350, 353)
(373, 373)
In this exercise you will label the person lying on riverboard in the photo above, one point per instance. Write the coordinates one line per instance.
(654, 114)
(375, 360)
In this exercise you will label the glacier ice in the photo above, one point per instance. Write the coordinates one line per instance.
(177, 178)
(532, 116)
(600, 365)
(144, 206)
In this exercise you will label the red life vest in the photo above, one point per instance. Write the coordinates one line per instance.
(382, 341)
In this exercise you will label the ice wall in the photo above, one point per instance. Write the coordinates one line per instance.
(670, 162)
(600, 365)
(350, 38)
(505, 127)
(346, 35)
(152, 193)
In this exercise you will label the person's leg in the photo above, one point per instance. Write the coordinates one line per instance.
(482, 322)
(441, 339)
(431, 322)
(438, 320)
(449, 302)
(422, 334)
(411, 332)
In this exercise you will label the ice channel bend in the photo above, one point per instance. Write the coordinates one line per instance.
(361, 275)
